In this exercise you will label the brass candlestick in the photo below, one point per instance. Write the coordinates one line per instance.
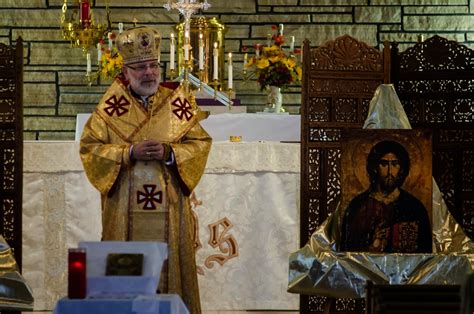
(172, 74)
(187, 67)
(230, 94)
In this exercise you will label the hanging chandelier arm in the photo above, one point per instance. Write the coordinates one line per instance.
(63, 10)
(109, 20)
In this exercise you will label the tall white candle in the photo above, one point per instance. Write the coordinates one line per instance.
(110, 41)
(99, 53)
(186, 46)
(229, 71)
(120, 28)
(89, 68)
(172, 51)
(292, 43)
(215, 53)
(257, 50)
(245, 59)
(201, 53)
(280, 29)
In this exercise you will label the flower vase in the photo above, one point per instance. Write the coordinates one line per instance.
(274, 99)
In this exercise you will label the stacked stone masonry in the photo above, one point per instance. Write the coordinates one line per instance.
(55, 89)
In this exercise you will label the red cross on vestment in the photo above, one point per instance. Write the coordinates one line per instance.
(184, 109)
(149, 197)
(116, 106)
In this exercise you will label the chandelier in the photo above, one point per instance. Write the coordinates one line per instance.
(80, 27)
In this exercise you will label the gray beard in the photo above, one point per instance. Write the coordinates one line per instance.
(146, 90)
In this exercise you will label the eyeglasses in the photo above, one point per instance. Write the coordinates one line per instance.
(142, 68)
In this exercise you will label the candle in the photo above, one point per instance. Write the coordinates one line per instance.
(109, 41)
(229, 71)
(245, 60)
(292, 44)
(88, 57)
(99, 53)
(77, 280)
(280, 29)
(215, 75)
(201, 53)
(187, 26)
(84, 13)
(186, 46)
(257, 50)
(172, 48)
(120, 27)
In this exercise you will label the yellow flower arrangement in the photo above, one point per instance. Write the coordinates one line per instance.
(111, 64)
(274, 66)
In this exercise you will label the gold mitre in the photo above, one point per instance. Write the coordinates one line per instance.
(139, 44)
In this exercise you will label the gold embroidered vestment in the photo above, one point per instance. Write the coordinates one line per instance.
(149, 200)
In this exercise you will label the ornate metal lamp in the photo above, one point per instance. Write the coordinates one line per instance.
(201, 27)
(83, 32)
(204, 33)
(186, 8)
(80, 28)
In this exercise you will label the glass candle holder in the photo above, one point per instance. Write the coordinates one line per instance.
(77, 281)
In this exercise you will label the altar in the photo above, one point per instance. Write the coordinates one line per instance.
(246, 204)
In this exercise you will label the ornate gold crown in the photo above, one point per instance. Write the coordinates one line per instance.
(139, 44)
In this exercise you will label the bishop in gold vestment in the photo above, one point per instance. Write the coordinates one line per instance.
(147, 198)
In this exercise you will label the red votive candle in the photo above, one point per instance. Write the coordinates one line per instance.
(85, 13)
(77, 281)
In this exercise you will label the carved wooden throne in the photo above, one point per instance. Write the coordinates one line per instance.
(11, 144)
(435, 83)
(339, 80)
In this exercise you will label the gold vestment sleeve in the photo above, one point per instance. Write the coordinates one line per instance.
(102, 162)
(191, 155)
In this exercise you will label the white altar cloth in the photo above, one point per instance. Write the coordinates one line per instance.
(252, 127)
(249, 200)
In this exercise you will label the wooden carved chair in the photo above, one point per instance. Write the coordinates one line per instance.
(434, 80)
(339, 80)
(11, 145)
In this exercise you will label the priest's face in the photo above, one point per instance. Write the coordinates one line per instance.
(144, 77)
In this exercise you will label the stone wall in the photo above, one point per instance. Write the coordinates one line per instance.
(55, 89)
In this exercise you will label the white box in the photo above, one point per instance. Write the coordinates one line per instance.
(99, 285)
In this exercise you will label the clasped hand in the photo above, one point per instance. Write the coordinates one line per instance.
(148, 150)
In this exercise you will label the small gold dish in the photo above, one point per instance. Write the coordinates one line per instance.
(235, 138)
